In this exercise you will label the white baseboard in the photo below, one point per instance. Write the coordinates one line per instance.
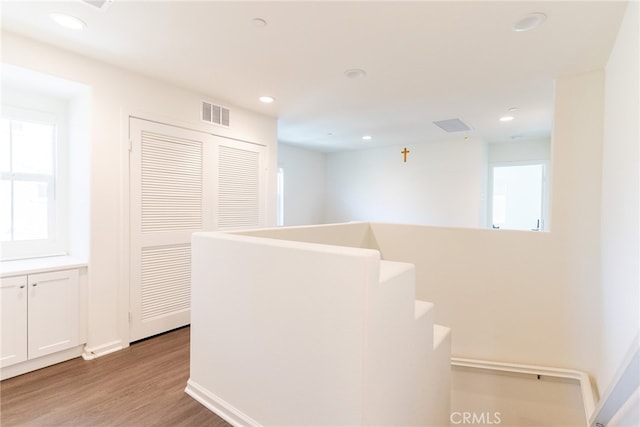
(91, 353)
(40, 362)
(588, 398)
(218, 406)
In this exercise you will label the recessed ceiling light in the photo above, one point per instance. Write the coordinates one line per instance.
(367, 137)
(68, 21)
(267, 99)
(355, 73)
(529, 22)
(506, 118)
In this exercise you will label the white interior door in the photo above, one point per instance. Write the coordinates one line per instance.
(168, 192)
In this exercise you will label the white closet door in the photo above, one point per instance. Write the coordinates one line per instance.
(170, 198)
(241, 185)
(183, 181)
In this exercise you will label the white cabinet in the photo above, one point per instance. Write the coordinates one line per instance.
(13, 302)
(40, 315)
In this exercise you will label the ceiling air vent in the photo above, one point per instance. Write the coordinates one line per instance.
(215, 114)
(452, 125)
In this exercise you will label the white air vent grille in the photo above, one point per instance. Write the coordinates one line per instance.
(452, 125)
(215, 114)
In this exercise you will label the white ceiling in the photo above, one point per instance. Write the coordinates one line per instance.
(425, 60)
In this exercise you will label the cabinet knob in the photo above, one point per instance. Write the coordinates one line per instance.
(22, 286)
(34, 284)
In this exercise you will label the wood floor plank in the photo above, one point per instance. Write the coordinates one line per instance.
(142, 385)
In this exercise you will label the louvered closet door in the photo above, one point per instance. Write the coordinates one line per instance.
(170, 198)
(241, 179)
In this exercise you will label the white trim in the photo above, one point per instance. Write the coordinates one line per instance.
(154, 118)
(123, 316)
(91, 353)
(40, 362)
(582, 378)
(39, 265)
(218, 406)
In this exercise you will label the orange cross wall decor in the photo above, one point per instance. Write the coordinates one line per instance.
(405, 152)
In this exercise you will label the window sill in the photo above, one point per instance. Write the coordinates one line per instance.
(39, 265)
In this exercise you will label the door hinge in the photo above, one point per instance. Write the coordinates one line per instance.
(130, 317)
(130, 145)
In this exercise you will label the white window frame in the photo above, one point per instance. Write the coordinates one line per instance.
(50, 111)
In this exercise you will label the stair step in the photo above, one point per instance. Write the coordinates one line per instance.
(390, 269)
(422, 308)
(440, 333)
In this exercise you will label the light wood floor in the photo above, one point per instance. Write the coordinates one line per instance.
(142, 385)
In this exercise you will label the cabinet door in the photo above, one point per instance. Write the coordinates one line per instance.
(54, 321)
(13, 303)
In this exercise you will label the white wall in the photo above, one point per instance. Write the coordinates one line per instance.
(351, 234)
(501, 292)
(312, 369)
(32, 90)
(304, 185)
(519, 151)
(575, 210)
(518, 296)
(311, 327)
(620, 231)
(115, 94)
(570, 296)
(442, 183)
(305, 177)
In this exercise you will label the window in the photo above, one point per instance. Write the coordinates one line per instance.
(32, 193)
(518, 196)
(280, 198)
